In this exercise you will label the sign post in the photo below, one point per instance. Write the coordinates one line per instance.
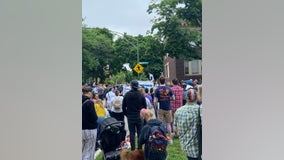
(138, 69)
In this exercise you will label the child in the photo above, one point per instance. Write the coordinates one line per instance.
(149, 152)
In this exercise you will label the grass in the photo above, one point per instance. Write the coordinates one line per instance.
(100, 157)
(174, 152)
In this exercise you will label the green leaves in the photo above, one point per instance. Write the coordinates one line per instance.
(96, 49)
(99, 49)
(178, 26)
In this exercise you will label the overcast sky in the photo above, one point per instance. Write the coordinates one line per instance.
(128, 16)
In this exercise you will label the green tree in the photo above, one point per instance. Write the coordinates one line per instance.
(178, 27)
(125, 51)
(118, 78)
(129, 76)
(96, 50)
(149, 48)
(99, 49)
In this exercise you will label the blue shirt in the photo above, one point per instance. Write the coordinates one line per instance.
(164, 94)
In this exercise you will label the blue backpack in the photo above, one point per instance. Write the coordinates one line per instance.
(158, 138)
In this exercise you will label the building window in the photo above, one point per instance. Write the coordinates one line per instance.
(193, 67)
(186, 67)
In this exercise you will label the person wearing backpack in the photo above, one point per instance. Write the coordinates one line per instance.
(153, 135)
(116, 107)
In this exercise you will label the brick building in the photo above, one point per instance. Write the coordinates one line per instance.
(182, 69)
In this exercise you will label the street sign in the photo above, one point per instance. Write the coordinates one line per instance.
(143, 62)
(138, 68)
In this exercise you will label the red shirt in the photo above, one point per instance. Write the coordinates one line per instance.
(178, 92)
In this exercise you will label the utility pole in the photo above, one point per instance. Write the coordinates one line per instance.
(135, 46)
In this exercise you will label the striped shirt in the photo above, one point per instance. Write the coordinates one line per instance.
(186, 120)
(178, 92)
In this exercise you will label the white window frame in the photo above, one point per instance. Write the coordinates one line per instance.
(190, 68)
(167, 70)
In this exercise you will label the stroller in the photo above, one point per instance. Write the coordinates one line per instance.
(112, 133)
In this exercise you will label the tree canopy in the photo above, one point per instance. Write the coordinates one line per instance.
(178, 26)
(96, 50)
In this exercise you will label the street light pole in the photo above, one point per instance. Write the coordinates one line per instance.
(135, 46)
(137, 53)
(138, 59)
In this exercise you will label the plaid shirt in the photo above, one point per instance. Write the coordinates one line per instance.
(178, 92)
(186, 120)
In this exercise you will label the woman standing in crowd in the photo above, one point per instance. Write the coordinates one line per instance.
(148, 102)
(102, 113)
(147, 95)
(95, 97)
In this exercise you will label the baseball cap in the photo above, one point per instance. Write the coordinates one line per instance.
(134, 84)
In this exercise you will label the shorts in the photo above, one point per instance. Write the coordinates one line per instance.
(167, 114)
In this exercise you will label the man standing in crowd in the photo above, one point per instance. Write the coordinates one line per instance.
(89, 124)
(163, 95)
(132, 103)
(175, 104)
(188, 123)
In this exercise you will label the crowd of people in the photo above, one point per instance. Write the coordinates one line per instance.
(176, 106)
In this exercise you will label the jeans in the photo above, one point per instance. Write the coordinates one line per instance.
(135, 126)
(89, 138)
(99, 121)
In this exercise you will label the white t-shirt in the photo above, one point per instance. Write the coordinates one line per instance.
(109, 95)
